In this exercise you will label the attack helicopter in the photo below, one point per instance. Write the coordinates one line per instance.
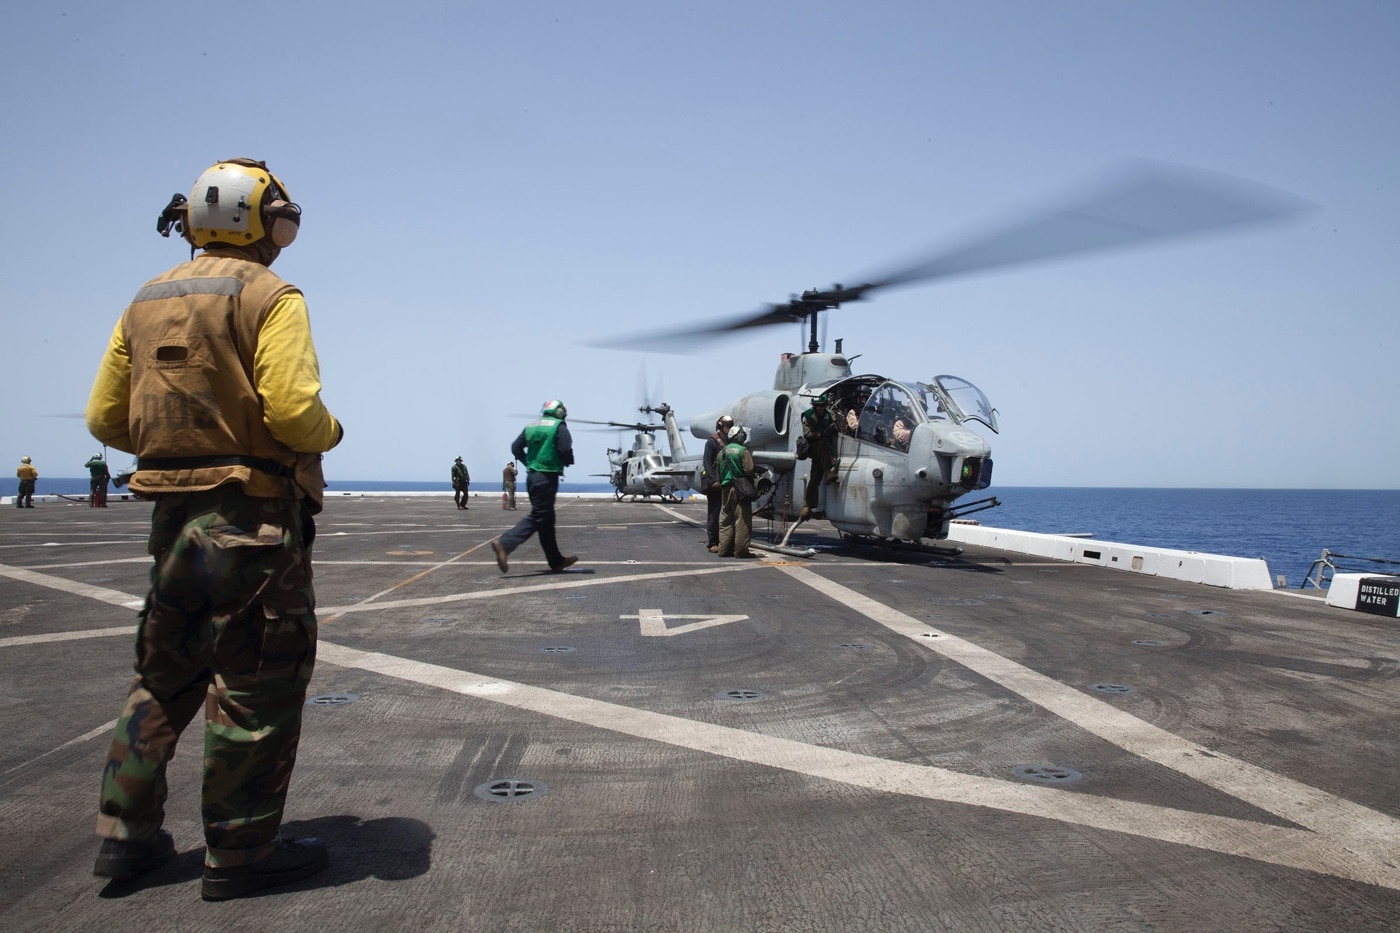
(908, 451)
(645, 471)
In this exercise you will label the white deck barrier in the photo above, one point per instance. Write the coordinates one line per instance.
(1377, 593)
(1236, 573)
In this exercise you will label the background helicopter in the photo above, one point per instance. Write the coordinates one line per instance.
(645, 471)
(898, 484)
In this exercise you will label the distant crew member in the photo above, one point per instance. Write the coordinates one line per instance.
(97, 483)
(212, 381)
(819, 428)
(461, 483)
(709, 480)
(736, 514)
(545, 447)
(24, 499)
(508, 483)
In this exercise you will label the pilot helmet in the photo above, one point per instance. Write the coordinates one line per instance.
(554, 409)
(737, 434)
(236, 202)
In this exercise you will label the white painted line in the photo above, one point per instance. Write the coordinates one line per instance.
(1347, 839)
(92, 563)
(31, 546)
(99, 593)
(50, 637)
(653, 622)
(1277, 845)
(688, 519)
(1371, 832)
(99, 731)
(565, 583)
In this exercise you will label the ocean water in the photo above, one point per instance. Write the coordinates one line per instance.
(1287, 527)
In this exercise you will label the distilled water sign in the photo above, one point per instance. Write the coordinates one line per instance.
(1380, 595)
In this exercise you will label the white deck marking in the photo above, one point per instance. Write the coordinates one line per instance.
(653, 622)
(50, 637)
(105, 730)
(689, 520)
(1293, 848)
(86, 543)
(1343, 838)
(1360, 828)
(99, 593)
(564, 582)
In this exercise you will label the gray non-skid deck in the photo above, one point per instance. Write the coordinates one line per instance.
(664, 740)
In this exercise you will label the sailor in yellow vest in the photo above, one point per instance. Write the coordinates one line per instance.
(27, 476)
(212, 381)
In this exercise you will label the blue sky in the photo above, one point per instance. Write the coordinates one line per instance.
(490, 187)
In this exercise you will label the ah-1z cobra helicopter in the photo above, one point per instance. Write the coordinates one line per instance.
(907, 451)
(645, 471)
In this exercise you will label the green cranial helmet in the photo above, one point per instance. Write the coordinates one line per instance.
(554, 409)
(821, 399)
(738, 434)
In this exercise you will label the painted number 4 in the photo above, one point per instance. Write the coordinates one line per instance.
(654, 622)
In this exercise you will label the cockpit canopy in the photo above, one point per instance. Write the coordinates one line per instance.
(884, 411)
(962, 400)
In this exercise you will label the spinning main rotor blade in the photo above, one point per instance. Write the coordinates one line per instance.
(619, 424)
(1147, 203)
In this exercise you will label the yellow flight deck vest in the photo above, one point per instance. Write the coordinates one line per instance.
(196, 421)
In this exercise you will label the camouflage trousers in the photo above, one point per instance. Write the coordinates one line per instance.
(735, 523)
(229, 625)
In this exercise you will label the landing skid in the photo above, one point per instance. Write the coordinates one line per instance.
(895, 544)
(890, 544)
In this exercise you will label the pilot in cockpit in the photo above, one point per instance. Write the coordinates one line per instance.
(900, 433)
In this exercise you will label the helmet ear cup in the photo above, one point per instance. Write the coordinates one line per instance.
(283, 221)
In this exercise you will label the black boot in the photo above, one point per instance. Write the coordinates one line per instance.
(290, 861)
(124, 859)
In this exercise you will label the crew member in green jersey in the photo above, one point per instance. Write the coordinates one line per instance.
(546, 447)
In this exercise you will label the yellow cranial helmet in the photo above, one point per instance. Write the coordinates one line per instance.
(238, 202)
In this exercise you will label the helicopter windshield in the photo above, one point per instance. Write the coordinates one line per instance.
(954, 398)
(879, 412)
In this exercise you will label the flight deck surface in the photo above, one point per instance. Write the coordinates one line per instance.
(661, 739)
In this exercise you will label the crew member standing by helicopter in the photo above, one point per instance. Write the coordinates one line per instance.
(461, 483)
(27, 476)
(736, 512)
(97, 484)
(546, 447)
(508, 482)
(819, 429)
(709, 478)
